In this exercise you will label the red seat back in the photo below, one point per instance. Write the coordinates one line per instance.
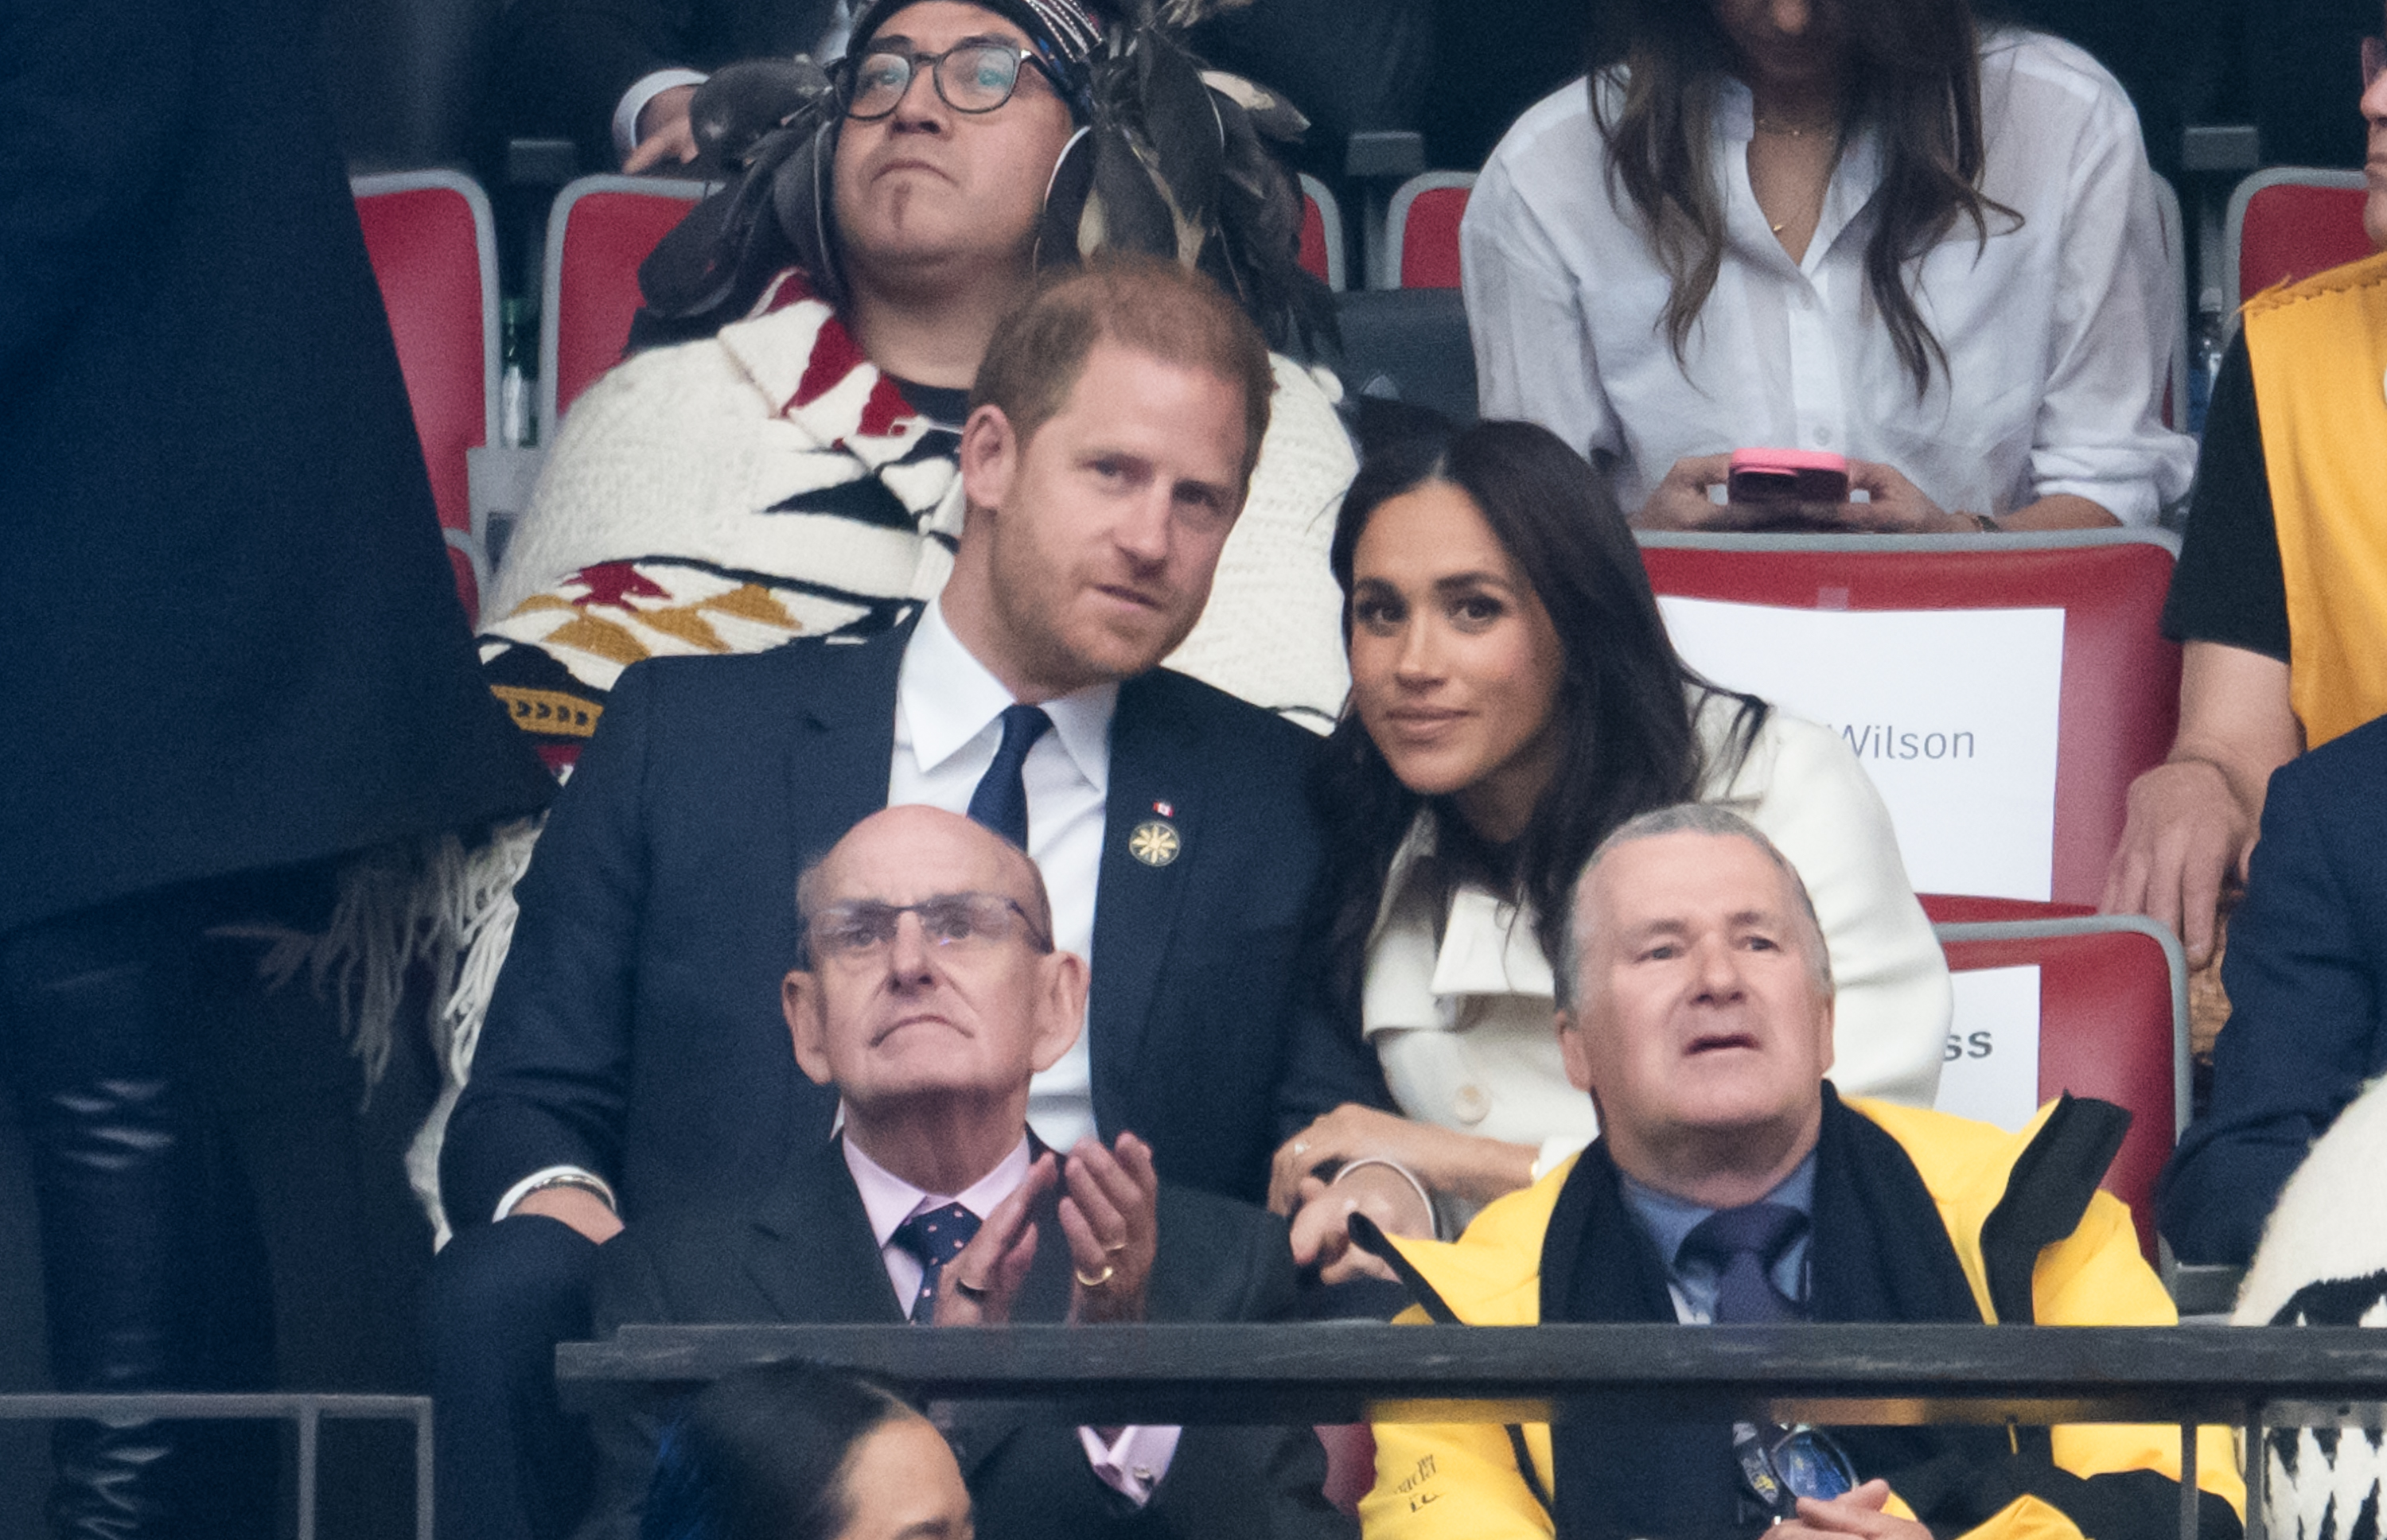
(2288, 224)
(2120, 700)
(1321, 233)
(1424, 235)
(434, 252)
(2113, 1024)
(597, 233)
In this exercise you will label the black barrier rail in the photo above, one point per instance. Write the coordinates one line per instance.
(307, 1410)
(1899, 1375)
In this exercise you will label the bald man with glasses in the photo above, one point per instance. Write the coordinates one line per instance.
(932, 993)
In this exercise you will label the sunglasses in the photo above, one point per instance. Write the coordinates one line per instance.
(1781, 1465)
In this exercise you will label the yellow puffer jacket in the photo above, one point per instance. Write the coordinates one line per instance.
(1461, 1479)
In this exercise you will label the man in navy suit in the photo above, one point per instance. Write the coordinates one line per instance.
(635, 1065)
(2306, 972)
(932, 989)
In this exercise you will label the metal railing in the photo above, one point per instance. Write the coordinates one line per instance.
(307, 1410)
(1831, 1374)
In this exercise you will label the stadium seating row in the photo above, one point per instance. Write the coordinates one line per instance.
(2111, 993)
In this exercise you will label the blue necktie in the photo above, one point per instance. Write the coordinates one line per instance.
(1744, 1244)
(1001, 800)
(934, 1239)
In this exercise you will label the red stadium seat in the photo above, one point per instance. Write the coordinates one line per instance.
(2290, 223)
(2113, 1024)
(598, 230)
(2120, 685)
(1422, 230)
(435, 253)
(1321, 233)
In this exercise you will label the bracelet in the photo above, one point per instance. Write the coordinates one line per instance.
(1433, 1215)
(584, 1181)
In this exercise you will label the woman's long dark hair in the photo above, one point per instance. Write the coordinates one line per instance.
(1627, 741)
(1914, 73)
(760, 1454)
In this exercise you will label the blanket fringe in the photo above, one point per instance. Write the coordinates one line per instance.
(432, 903)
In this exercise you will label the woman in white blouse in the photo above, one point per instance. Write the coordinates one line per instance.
(1514, 698)
(1856, 226)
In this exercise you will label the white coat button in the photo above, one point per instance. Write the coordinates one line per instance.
(1472, 1103)
(1822, 435)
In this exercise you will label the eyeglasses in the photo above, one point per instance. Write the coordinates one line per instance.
(855, 930)
(970, 77)
(1781, 1465)
(2374, 60)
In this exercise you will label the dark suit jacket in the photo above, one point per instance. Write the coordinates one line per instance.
(805, 1254)
(565, 63)
(2306, 971)
(636, 1030)
(233, 639)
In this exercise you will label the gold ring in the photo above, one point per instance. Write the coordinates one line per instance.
(1098, 1280)
(1115, 1248)
(968, 1289)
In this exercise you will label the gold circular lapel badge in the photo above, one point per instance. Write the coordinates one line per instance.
(1155, 842)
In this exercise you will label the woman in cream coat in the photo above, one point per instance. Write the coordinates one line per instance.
(1514, 697)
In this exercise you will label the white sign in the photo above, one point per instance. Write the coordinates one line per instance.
(1990, 1067)
(1952, 713)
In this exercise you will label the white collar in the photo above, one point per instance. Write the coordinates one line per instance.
(948, 697)
(890, 1200)
(1487, 945)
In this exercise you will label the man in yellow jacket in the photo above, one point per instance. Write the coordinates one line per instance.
(1731, 1184)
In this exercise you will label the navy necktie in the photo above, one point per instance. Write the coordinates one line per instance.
(934, 1239)
(1001, 800)
(1744, 1244)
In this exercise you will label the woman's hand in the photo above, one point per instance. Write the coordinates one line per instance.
(1682, 501)
(1443, 1160)
(1898, 506)
(1321, 1227)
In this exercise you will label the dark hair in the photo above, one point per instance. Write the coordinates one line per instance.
(761, 1455)
(1142, 303)
(1914, 69)
(1628, 741)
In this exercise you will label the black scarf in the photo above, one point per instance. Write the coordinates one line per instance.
(1878, 1252)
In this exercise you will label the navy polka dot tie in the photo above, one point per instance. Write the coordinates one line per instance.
(1001, 800)
(934, 1239)
(1744, 1244)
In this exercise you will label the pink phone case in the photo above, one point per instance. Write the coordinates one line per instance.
(1801, 475)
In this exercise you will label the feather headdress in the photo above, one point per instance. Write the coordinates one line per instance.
(1170, 159)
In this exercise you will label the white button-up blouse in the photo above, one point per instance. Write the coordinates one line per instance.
(1461, 1015)
(2058, 330)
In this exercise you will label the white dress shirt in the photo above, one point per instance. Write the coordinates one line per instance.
(2058, 331)
(1130, 1463)
(948, 724)
(1460, 1012)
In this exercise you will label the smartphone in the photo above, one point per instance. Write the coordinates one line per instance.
(1787, 475)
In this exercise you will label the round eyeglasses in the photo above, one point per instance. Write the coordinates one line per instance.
(858, 929)
(970, 77)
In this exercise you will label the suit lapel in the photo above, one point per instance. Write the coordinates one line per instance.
(811, 1252)
(1151, 839)
(843, 739)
